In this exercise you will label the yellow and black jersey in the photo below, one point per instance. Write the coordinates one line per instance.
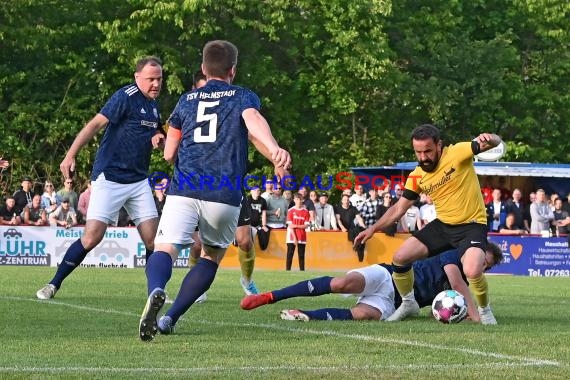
(453, 187)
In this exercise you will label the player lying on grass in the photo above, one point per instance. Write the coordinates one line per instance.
(375, 290)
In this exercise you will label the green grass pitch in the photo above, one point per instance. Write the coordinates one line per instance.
(90, 331)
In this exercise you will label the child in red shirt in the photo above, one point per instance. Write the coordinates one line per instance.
(297, 222)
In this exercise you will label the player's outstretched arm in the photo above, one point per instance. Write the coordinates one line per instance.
(487, 141)
(457, 283)
(262, 138)
(90, 129)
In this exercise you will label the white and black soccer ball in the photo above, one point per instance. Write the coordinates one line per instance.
(449, 307)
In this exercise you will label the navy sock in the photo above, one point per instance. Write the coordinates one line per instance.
(158, 270)
(73, 257)
(148, 253)
(196, 282)
(309, 288)
(329, 314)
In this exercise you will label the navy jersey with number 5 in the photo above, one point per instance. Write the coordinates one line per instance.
(212, 155)
(124, 153)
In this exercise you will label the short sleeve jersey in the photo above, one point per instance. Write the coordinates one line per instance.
(124, 153)
(257, 206)
(430, 277)
(212, 155)
(453, 186)
(347, 215)
(297, 216)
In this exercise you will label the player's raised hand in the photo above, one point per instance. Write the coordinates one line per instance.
(362, 237)
(67, 167)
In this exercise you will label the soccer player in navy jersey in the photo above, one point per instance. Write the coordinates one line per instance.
(208, 136)
(120, 171)
(374, 288)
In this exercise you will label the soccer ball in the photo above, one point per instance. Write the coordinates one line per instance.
(449, 307)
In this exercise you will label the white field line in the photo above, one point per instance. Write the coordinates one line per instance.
(258, 369)
(511, 360)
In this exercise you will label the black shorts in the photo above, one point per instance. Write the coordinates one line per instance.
(439, 237)
(244, 213)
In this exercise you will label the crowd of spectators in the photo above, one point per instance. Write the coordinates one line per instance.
(507, 212)
(40, 204)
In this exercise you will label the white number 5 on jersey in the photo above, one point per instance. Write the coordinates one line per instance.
(212, 118)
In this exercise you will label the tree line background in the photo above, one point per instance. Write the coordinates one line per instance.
(342, 83)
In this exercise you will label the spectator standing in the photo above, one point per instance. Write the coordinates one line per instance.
(527, 218)
(83, 204)
(268, 190)
(381, 210)
(298, 219)
(309, 204)
(69, 193)
(8, 213)
(516, 207)
(50, 199)
(398, 191)
(350, 221)
(505, 192)
(358, 198)
(566, 205)
(24, 195)
(258, 204)
(288, 195)
(314, 197)
(496, 211)
(324, 214)
(561, 218)
(348, 217)
(540, 213)
(487, 190)
(34, 214)
(368, 210)
(277, 207)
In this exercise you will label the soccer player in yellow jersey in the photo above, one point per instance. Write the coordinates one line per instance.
(448, 176)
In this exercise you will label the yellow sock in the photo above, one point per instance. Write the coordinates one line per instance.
(404, 282)
(192, 261)
(479, 288)
(246, 261)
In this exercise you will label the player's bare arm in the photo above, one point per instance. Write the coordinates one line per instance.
(457, 283)
(487, 141)
(90, 129)
(260, 135)
(393, 214)
(172, 143)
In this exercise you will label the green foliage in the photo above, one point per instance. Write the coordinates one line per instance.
(341, 83)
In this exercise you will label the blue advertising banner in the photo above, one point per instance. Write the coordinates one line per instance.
(533, 256)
